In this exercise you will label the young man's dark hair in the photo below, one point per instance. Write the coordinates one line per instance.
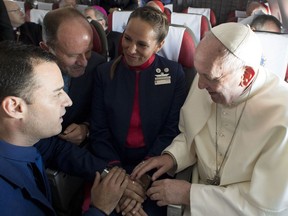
(16, 68)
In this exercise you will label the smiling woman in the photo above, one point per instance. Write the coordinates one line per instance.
(136, 106)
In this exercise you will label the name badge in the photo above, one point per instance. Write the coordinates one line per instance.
(162, 77)
(162, 81)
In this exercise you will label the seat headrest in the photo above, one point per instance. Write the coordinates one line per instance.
(181, 50)
(208, 12)
(117, 20)
(100, 44)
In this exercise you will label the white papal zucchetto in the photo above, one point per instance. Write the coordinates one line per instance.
(241, 41)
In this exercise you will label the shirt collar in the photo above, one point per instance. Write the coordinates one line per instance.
(19, 153)
(143, 66)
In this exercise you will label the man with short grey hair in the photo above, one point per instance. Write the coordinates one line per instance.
(68, 35)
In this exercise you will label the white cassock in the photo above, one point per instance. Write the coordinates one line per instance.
(254, 176)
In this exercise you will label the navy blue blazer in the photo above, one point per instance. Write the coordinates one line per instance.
(112, 105)
(80, 92)
(30, 33)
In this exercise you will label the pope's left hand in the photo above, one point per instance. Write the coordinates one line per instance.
(170, 191)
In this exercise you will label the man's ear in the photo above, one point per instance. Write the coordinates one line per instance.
(248, 76)
(44, 46)
(13, 107)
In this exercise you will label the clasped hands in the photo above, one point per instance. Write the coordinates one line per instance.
(126, 193)
(165, 191)
(118, 190)
(132, 199)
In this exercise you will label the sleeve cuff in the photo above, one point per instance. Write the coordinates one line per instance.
(95, 211)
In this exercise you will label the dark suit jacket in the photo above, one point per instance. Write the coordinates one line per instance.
(80, 92)
(112, 107)
(6, 30)
(30, 33)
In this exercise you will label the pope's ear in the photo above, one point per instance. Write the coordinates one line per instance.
(248, 76)
(13, 106)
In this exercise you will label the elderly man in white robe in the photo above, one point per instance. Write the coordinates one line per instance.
(234, 130)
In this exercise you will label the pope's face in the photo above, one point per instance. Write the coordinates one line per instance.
(220, 80)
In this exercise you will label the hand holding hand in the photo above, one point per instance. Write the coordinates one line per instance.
(132, 199)
(141, 212)
(135, 191)
(106, 193)
(127, 205)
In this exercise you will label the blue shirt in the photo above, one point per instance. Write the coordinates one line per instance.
(20, 194)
